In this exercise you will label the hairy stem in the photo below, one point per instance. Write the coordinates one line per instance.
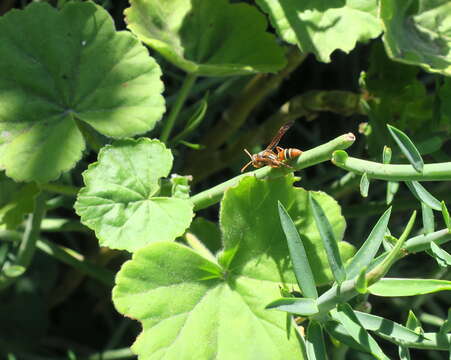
(311, 157)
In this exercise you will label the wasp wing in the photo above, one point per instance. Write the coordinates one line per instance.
(279, 135)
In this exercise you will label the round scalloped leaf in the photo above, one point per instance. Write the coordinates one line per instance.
(209, 38)
(321, 27)
(185, 313)
(121, 202)
(61, 67)
(185, 297)
(419, 33)
(250, 220)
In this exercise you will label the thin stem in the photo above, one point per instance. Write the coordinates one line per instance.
(175, 110)
(431, 172)
(60, 189)
(308, 158)
(27, 246)
(124, 353)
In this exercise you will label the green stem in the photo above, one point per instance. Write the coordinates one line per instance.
(124, 353)
(60, 189)
(175, 110)
(27, 246)
(431, 172)
(308, 158)
(66, 256)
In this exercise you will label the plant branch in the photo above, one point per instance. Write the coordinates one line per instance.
(60, 189)
(431, 172)
(308, 158)
(27, 246)
(175, 109)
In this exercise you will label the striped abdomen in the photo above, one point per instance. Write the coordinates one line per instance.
(288, 154)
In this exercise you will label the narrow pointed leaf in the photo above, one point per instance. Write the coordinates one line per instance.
(361, 284)
(393, 287)
(407, 147)
(413, 323)
(368, 250)
(194, 121)
(423, 195)
(298, 306)
(301, 265)
(364, 185)
(346, 316)
(446, 327)
(446, 218)
(315, 346)
(386, 155)
(330, 244)
(387, 328)
(392, 189)
(428, 218)
(443, 257)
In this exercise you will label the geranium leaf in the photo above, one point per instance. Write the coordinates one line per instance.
(121, 199)
(61, 67)
(209, 38)
(321, 27)
(417, 33)
(166, 286)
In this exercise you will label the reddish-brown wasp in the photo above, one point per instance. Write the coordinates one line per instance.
(269, 157)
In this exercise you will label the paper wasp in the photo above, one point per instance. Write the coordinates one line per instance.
(269, 157)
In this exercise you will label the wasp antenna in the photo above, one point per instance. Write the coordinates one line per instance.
(245, 166)
(248, 153)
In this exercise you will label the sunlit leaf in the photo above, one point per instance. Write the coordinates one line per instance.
(209, 38)
(392, 287)
(48, 86)
(423, 195)
(443, 257)
(298, 256)
(298, 306)
(320, 27)
(407, 147)
(417, 33)
(364, 185)
(121, 200)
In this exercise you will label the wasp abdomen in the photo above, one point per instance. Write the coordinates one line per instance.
(287, 154)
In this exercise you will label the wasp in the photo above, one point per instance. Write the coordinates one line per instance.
(269, 157)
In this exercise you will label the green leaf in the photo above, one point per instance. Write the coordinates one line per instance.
(208, 232)
(386, 155)
(13, 271)
(330, 244)
(180, 186)
(368, 251)
(298, 306)
(177, 308)
(361, 284)
(393, 287)
(414, 324)
(48, 86)
(299, 259)
(385, 327)
(428, 218)
(443, 257)
(194, 121)
(171, 289)
(321, 27)
(16, 200)
(206, 38)
(417, 33)
(364, 185)
(121, 201)
(446, 218)
(423, 195)
(314, 340)
(407, 147)
(392, 189)
(446, 327)
(250, 218)
(346, 316)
